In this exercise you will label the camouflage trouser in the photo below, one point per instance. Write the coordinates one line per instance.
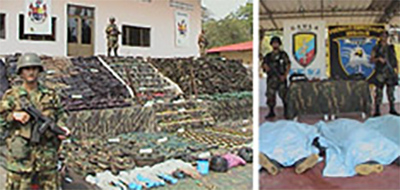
(275, 85)
(379, 94)
(16, 181)
(202, 50)
(112, 43)
(48, 180)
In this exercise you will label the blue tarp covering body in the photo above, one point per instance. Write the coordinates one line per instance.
(287, 141)
(348, 142)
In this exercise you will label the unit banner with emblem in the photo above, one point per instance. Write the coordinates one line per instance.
(37, 17)
(350, 49)
(304, 42)
(181, 29)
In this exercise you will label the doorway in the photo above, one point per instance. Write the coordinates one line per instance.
(80, 30)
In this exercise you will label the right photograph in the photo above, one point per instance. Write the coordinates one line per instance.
(329, 96)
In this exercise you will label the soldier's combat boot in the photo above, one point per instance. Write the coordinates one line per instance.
(271, 113)
(307, 163)
(393, 110)
(377, 111)
(272, 168)
(109, 52)
(116, 52)
(368, 168)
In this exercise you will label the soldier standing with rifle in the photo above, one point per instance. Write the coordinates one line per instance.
(203, 43)
(112, 37)
(383, 56)
(28, 159)
(277, 66)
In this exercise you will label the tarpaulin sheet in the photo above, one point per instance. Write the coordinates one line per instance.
(350, 143)
(287, 141)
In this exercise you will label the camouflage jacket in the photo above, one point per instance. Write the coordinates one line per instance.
(385, 73)
(112, 32)
(21, 155)
(277, 62)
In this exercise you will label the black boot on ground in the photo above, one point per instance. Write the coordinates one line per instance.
(377, 111)
(271, 113)
(393, 110)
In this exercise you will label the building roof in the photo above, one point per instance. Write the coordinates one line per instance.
(273, 12)
(244, 46)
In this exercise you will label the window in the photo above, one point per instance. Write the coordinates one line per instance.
(2, 26)
(135, 36)
(22, 36)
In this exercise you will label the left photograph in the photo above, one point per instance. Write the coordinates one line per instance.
(126, 94)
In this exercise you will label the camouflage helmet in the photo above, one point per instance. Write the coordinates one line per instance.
(112, 18)
(29, 60)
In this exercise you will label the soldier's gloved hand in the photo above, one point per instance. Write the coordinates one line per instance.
(67, 133)
(21, 116)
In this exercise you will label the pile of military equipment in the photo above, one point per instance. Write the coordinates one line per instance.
(127, 112)
(143, 78)
(230, 106)
(205, 76)
(89, 85)
(128, 151)
(4, 85)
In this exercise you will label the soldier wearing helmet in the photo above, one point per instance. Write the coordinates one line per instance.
(112, 37)
(26, 160)
(277, 66)
(383, 56)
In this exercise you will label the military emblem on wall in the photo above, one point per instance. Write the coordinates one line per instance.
(350, 48)
(37, 17)
(37, 11)
(304, 48)
(182, 27)
(354, 55)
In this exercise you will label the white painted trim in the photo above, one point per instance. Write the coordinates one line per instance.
(117, 76)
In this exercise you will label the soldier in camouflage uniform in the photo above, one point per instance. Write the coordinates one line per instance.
(277, 66)
(112, 37)
(383, 56)
(26, 160)
(202, 42)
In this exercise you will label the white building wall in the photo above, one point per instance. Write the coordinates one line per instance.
(158, 15)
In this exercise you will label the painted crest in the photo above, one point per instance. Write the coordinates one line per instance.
(38, 11)
(182, 27)
(304, 48)
(355, 53)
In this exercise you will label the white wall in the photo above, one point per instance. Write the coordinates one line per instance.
(157, 14)
(11, 44)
